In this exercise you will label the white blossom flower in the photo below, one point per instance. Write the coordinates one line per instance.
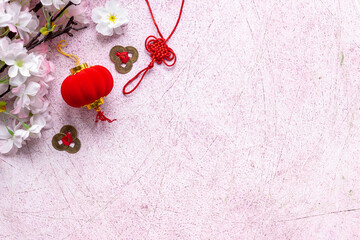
(24, 92)
(39, 104)
(110, 18)
(4, 17)
(2, 2)
(4, 46)
(58, 4)
(41, 65)
(22, 22)
(7, 47)
(48, 118)
(12, 138)
(31, 97)
(78, 12)
(9, 143)
(37, 124)
(22, 65)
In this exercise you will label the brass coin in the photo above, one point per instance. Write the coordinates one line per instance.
(115, 50)
(55, 142)
(71, 129)
(134, 52)
(122, 69)
(76, 147)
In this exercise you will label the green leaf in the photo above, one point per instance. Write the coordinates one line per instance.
(11, 132)
(2, 103)
(25, 125)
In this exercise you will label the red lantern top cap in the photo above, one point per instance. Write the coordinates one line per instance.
(78, 68)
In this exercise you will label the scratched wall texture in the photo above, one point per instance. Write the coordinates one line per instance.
(254, 134)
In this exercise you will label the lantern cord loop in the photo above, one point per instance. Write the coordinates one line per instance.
(62, 44)
(159, 51)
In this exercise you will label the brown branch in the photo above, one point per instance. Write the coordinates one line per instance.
(66, 30)
(3, 68)
(7, 91)
(37, 7)
(62, 11)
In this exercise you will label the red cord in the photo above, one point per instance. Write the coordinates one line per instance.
(124, 56)
(100, 116)
(159, 51)
(67, 139)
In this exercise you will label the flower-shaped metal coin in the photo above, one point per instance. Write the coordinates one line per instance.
(67, 140)
(120, 56)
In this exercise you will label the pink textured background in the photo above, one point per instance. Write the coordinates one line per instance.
(254, 134)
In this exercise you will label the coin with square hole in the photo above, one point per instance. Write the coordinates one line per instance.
(67, 140)
(124, 58)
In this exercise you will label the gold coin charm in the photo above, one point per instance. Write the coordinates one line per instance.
(67, 140)
(120, 56)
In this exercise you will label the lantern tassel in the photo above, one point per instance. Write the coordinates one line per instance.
(100, 116)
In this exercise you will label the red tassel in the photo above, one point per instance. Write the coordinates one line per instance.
(100, 116)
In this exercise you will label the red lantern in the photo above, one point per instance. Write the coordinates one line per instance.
(87, 87)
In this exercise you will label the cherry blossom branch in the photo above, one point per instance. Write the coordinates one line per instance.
(62, 11)
(35, 41)
(69, 26)
(37, 7)
(3, 68)
(7, 91)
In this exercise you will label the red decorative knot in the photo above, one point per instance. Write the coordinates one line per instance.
(158, 49)
(124, 56)
(67, 139)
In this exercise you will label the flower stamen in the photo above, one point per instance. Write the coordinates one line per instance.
(112, 17)
(20, 63)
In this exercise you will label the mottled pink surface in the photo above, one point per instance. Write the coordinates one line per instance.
(254, 134)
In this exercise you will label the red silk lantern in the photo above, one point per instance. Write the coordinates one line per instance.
(87, 87)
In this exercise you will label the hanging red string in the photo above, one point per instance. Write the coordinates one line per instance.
(159, 51)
